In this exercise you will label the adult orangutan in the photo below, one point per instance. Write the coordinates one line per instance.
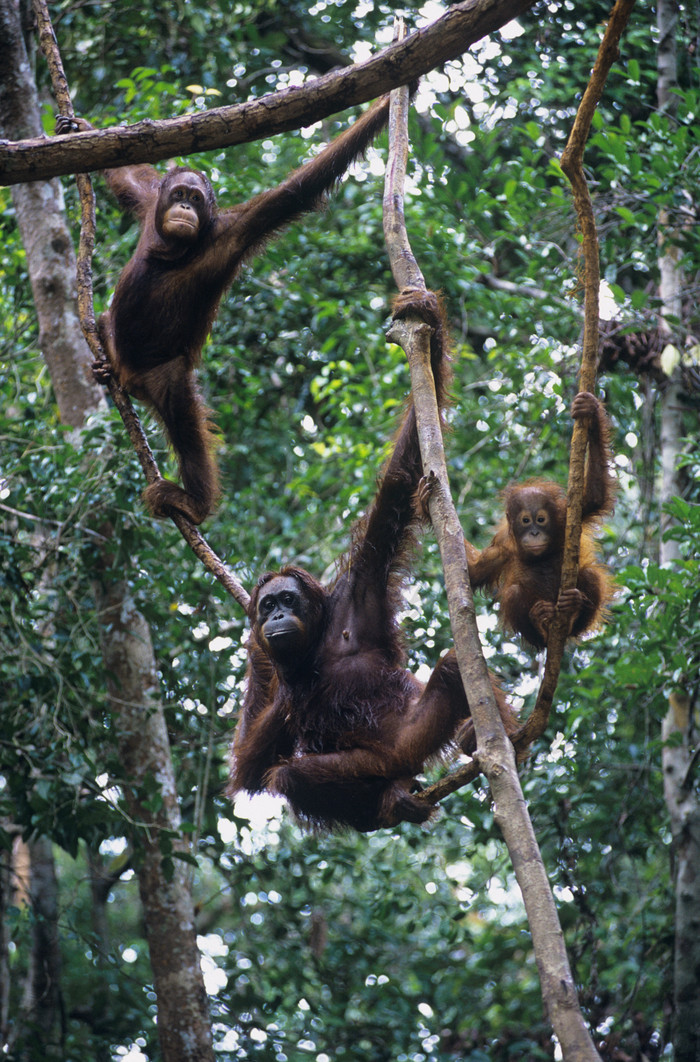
(168, 294)
(331, 719)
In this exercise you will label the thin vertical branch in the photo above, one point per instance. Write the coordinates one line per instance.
(413, 335)
(572, 165)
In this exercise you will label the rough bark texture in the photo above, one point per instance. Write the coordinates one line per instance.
(445, 39)
(45, 236)
(679, 765)
(183, 1020)
(684, 814)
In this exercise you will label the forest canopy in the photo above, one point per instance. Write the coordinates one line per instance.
(409, 942)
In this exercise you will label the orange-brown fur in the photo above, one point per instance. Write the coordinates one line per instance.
(332, 720)
(527, 582)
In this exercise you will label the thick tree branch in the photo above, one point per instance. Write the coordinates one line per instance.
(572, 165)
(86, 313)
(445, 39)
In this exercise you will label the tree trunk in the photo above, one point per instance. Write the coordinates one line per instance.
(5, 901)
(183, 1020)
(39, 1030)
(677, 758)
(45, 235)
(97, 1009)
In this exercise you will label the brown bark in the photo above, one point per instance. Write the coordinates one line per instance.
(5, 901)
(447, 38)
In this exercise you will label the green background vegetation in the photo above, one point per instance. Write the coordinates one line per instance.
(408, 944)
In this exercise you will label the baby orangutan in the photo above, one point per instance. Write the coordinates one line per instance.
(522, 565)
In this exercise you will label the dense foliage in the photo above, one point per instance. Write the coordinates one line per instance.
(409, 944)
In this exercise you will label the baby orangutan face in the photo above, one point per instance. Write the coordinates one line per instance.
(530, 516)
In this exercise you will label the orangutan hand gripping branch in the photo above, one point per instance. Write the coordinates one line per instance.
(522, 565)
(168, 294)
(332, 720)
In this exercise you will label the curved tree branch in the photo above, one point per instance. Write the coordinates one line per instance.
(86, 313)
(445, 39)
(572, 165)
